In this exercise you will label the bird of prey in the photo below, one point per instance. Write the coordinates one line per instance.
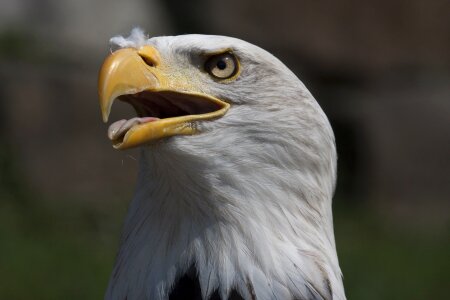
(236, 177)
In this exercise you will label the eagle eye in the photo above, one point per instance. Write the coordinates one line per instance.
(222, 66)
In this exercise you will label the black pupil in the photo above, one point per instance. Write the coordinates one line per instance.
(221, 65)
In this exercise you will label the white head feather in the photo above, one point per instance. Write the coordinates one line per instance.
(247, 201)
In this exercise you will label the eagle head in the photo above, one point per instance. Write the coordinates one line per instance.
(237, 172)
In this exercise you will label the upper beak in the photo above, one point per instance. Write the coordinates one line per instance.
(125, 72)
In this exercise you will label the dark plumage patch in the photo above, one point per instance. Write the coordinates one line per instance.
(188, 288)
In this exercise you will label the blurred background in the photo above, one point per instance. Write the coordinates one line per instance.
(380, 70)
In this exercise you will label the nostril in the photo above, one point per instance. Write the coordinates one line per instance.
(150, 55)
(148, 60)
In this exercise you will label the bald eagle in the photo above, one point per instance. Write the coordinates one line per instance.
(237, 173)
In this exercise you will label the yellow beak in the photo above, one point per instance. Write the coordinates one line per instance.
(132, 71)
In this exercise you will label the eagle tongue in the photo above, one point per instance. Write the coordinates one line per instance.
(118, 129)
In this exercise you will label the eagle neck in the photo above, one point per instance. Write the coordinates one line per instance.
(180, 218)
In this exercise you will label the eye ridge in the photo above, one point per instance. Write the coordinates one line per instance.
(222, 66)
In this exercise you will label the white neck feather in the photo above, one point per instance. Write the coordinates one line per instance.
(246, 225)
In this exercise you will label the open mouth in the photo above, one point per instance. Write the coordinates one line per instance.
(165, 107)
(161, 114)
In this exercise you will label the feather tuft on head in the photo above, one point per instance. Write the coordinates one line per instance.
(136, 39)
